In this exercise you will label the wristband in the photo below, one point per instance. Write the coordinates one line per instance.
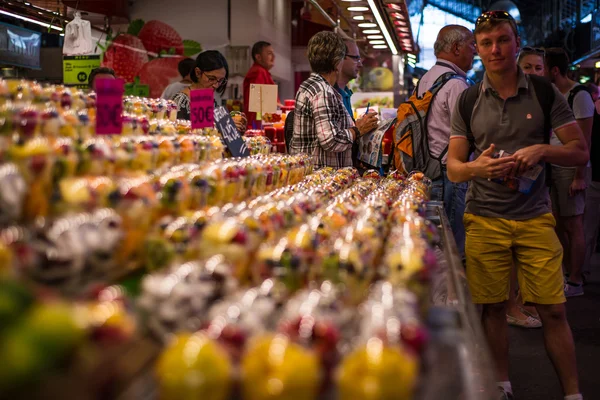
(356, 132)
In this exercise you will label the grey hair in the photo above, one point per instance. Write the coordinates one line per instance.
(454, 34)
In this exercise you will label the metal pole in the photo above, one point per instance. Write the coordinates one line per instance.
(324, 13)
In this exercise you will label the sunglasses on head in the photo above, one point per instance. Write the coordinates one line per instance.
(494, 15)
(534, 50)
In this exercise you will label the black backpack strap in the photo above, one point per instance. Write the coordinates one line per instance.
(545, 96)
(573, 93)
(466, 104)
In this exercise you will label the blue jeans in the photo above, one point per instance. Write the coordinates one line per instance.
(453, 195)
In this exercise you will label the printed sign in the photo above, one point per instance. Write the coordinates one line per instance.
(109, 104)
(77, 69)
(202, 108)
(263, 99)
(235, 143)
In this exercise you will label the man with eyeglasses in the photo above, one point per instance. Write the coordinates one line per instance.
(514, 112)
(454, 49)
(350, 68)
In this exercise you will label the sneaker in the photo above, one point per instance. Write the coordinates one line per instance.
(529, 322)
(573, 289)
(504, 395)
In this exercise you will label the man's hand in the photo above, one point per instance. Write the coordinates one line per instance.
(492, 168)
(526, 158)
(577, 186)
(367, 123)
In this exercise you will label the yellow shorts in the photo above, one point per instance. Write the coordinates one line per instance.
(494, 244)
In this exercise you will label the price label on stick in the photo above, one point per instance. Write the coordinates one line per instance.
(109, 106)
(202, 108)
(235, 143)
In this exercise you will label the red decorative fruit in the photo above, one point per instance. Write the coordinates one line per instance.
(126, 55)
(159, 73)
(158, 36)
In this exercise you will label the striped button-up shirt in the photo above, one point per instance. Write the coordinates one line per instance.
(322, 125)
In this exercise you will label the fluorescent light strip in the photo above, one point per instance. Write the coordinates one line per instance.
(358, 17)
(358, 8)
(367, 25)
(380, 46)
(375, 12)
(375, 37)
(58, 28)
(377, 41)
(370, 31)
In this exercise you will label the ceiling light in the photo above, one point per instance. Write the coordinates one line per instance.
(377, 41)
(371, 31)
(358, 17)
(375, 37)
(58, 28)
(360, 8)
(380, 46)
(397, 15)
(349, 1)
(399, 23)
(395, 7)
(367, 25)
(410, 55)
(382, 26)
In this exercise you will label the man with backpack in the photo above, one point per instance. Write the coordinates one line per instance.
(569, 184)
(454, 49)
(506, 121)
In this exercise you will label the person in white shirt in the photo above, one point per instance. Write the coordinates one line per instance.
(185, 66)
(569, 184)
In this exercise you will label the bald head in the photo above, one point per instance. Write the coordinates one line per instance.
(456, 44)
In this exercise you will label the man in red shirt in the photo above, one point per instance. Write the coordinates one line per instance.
(264, 59)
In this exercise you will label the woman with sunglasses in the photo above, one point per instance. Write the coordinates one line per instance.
(531, 60)
(211, 72)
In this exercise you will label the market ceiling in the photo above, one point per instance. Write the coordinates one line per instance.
(383, 24)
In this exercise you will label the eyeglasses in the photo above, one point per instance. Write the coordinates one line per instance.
(355, 58)
(534, 50)
(494, 15)
(213, 79)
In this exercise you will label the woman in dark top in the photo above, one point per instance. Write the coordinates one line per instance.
(211, 71)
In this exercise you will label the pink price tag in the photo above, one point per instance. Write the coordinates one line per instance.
(109, 106)
(202, 108)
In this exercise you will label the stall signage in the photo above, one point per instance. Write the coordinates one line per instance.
(77, 69)
(235, 143)
(109, 106)
(202, 108)
(19, 46)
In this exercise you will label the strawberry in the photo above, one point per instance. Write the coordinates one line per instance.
(159, 73)
(123, 56)
(158, 36)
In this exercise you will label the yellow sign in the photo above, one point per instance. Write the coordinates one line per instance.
(76, 69)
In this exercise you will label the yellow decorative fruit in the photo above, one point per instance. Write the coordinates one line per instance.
(193, 367)
(276, 369)
(377, 372)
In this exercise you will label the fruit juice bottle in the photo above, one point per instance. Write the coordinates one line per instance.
(35, 159)
(135, 200)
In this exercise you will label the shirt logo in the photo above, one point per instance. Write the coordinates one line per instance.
(529, 116)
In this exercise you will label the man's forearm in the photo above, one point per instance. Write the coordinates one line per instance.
(571, 154)
(459, 171)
